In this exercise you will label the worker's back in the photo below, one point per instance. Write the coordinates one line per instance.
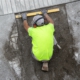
(42, 41)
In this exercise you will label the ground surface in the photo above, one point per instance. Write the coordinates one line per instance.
(16, 62)
(62, 62)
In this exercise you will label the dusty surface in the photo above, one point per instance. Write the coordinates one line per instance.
(6, 72)
(73, 13)
(16, 62)
(62, 62)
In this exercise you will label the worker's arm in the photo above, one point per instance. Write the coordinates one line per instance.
(25, 23)
(44, 12)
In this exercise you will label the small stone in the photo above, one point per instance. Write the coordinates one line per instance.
(14, 35)
(13, 40)
(76, 55)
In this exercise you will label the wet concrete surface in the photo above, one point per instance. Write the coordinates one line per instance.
(16, 62)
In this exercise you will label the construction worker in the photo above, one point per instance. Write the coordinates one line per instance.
(42, 37)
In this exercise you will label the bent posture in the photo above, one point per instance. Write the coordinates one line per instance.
(42, 37)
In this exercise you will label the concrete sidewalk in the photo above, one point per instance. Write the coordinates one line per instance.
(15, 6)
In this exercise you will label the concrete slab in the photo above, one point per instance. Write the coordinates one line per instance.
(15, 6)
(4, 7)
(9, 7)
(1, 9)
(6, 72)
(73, 13)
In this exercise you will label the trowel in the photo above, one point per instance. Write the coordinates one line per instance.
(56, 43)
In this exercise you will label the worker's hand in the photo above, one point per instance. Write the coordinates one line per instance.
(44, 11)
(23, 15)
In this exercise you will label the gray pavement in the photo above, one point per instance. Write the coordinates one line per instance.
(6, 72)
(73, 13)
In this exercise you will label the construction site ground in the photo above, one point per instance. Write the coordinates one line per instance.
(17, 58)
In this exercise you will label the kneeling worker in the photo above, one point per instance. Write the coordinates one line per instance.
(42, 37)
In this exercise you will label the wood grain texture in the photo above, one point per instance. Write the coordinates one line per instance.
(49, 2)
(45, 2)
(5, 11)
(31, 2)
(18, 5)
(22, 5)
(13, 6)
(36, 4)
(1, 9)
(41, 3)
(27, 4)
(9, 7)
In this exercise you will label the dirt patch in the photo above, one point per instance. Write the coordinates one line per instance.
(62, 61)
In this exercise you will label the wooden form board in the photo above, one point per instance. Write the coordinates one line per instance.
(39, 12)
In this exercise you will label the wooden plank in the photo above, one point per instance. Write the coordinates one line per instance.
(23, 6)
(13, 6)
(4, 7)
(31, 2)
(41, 3)
(39, 12)
(45, 2)
(1, 9)
(49, 2)
(18, 7)
(27, 4)
(9, 8)
(36, 4)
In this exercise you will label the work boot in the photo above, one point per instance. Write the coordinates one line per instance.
(45, 66)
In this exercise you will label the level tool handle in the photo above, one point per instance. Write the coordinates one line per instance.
(38, 12)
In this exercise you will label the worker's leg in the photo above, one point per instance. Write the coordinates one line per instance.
(34, 56)
(45, 63)
(45, 66)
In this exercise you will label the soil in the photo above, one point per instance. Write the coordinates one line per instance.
(62, 62)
